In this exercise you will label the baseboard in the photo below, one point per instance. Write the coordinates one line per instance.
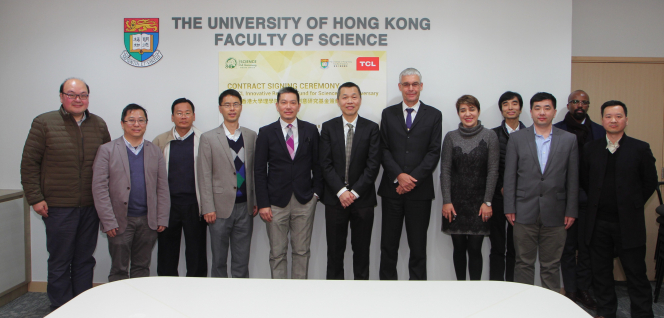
(13, 293)
(40, 287)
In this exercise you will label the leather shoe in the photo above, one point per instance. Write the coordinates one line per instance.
(583, 297)
(571, 296)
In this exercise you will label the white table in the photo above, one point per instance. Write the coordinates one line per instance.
(213, 297)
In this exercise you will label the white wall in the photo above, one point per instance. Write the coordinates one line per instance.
(482, 48)
(618, 28)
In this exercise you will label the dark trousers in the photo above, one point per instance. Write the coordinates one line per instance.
(576, 267)
(416, 215)
(471, 244)
(604, 245)
(71, 238)
(501, 259)
(183, 218)
(336, 230)
(133, 246)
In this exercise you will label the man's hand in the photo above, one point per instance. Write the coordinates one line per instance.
(448, 211)
(41, 208)
(346, 198)
(210, 217)
(511, 217)
(568, 222)
(406, 182)
(502, 191)
(486, 212)
(113, 232)
(161, 228)
(266, 214)
(255, 210)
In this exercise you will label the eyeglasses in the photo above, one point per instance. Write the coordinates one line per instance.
(235, 105)
(73, 96)
(187, 114)
(406, 85)
(134, 121)
(576, 101)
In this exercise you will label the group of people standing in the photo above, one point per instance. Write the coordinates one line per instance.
(546, 190)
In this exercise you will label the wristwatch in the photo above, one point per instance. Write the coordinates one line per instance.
(488, 204)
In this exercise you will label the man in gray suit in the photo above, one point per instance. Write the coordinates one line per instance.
(226, 185)
(130, 190)
(541, 192)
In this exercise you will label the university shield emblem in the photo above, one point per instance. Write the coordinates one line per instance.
(324, 63)
(141, 38)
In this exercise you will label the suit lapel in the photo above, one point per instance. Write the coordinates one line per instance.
(223, 142)
(555, 142)
(280, 137)
(359, 130)
(338, 131)
(420, 111)
(533, 146)
(121, 148)
(398, 113)
(301, 138)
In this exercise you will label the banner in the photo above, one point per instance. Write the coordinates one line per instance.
(317, 75)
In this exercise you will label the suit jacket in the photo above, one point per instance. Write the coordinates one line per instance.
(636, 180)
(529, 192)
(364, 160)
(217, 178)
(111, 184)
(415, 152)
(301, 176)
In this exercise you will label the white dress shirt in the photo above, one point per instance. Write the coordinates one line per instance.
(136, 150)
(177, 136)
(234, 136)
(510, 130)
(611, 146)
(416, 108)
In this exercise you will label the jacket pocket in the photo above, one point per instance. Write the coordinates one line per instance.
(561, 195)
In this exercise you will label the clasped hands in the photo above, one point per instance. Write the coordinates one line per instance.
(485, 212)
(406, 183)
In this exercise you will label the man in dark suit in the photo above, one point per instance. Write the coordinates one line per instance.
(350, 159)
(577, 276)
(541, 184)
(619, 175)
(288, 192)
(501, 259)
(410, 137)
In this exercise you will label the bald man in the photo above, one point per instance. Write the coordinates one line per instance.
(577, 276)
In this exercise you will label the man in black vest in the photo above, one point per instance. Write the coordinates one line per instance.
(501, 266)
(410, 137)
(576, 269)
(619, 175)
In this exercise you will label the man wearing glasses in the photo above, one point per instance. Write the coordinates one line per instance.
(226, 183)
(577, 276)
(180, 148)
(56, 174)
(130, 189)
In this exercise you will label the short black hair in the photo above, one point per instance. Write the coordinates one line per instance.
(507, 96)
(288, 89)
(131, 107)
(613, 103)
(62, 86)
(230, 92)
(538, 97)
(179, 101)
(348, 84)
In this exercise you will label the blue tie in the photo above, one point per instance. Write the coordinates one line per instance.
(409, 119)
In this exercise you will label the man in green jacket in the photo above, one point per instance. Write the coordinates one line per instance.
(56, 174)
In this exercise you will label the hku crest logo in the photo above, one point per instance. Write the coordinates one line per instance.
(324, 63)
(141, 38)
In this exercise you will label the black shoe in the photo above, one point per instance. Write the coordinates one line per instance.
(583, 297)
(571, 296)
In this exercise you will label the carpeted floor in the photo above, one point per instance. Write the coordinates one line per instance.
(36, 305)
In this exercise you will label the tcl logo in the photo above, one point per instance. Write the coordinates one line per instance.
(367, 64)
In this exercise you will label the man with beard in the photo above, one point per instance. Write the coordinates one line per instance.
(577, 276)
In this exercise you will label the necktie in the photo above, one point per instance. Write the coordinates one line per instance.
(409, 119)
(290, 142)
(349, 144)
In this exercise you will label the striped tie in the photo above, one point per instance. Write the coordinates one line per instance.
(349, 144)
(290, 142)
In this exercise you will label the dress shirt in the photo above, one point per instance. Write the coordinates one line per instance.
(510, 130)
(234, 136)
(177, 136)
(82, 119)
(415, 108)
(284, 129)
(612, 147)
(135, 150)
(543, 147)
(354, 123)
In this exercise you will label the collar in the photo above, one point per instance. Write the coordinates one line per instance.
(537, 135)
(177, 136)
(138, 148)
(285, 124)
(64, 112)
(416, 107)
(354, 122)
(235, 135)
(612, 147)
(509, 129)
